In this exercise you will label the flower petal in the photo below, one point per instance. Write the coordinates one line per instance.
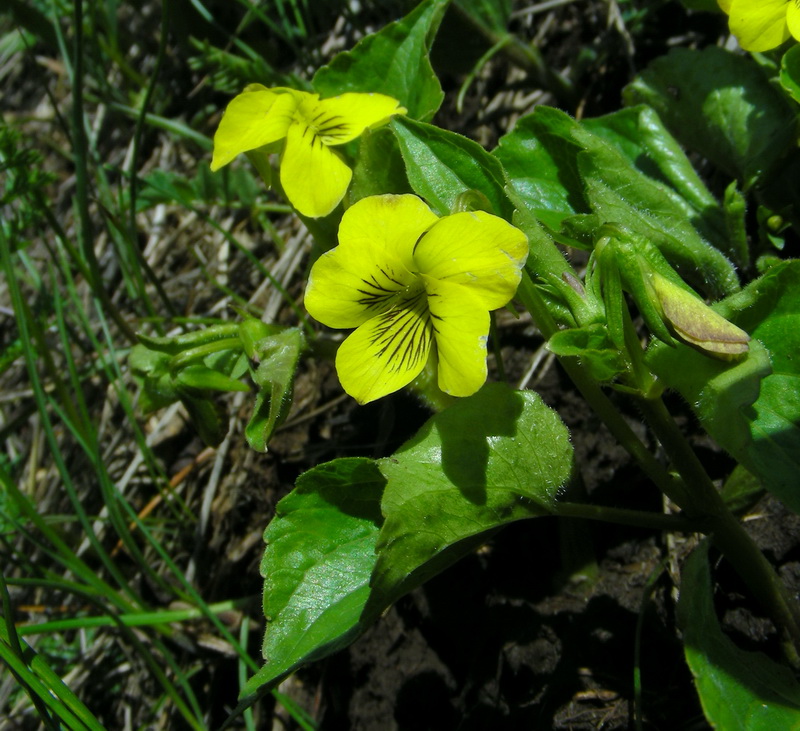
(254, 118)
(343, 118)
(392, 223)
(387, 352)
(759, 25)
(313, 177)
(477, 250)
(347, 287)
(461, 327)
(793, 19)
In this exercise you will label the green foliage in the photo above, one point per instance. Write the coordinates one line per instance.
(230, 186)
(195, 367)
(317, 565)
(273, 362)
(751, 408)
(442, 165)
(722, 105)
(740, 691)
(22, 194)
(393, 61)
(355, 534)
(622, 169)
(790, 72)
(487, 460)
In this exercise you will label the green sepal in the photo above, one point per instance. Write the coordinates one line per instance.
(735, 208)
(752, 407)
(252, 332)
(593, 346)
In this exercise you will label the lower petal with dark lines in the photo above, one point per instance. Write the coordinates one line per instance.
(387, 352)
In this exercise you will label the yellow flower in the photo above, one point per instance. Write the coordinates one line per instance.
(412, 285)
(761, 25)
(304, 127)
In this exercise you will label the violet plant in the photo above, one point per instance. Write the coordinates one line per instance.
(422, 233)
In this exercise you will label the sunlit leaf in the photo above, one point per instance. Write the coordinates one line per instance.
(751, 408)
(393, 61)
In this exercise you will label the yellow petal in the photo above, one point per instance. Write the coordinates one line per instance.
(725, 5)
(461, 327)
(793, 19)
(313, 177)
(392, 223)
(387, 352)
(348, 287)
(253, 119)
(759, 25)
(343, 118)
(477, 250)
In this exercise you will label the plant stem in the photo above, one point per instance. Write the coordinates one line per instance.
(694, 492)
(593, 394)
(624, 516)
(723, 527)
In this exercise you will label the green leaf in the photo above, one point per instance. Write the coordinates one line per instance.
(495, 457)
(539, 159)
(738, 690)
(624, 169)
(441, 165)
(150, 368)
(640, 135)
(317, 565)
(790, 72)
(379, 167)
(200, 378)
(277, 357)
(493, 15)
(751, 408)
(722, 105)
(619, 193)
(393, 61)
(593, 345)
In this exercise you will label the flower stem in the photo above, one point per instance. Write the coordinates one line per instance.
(624, 516)
(593, 394)
(723, 527)
(693, 491)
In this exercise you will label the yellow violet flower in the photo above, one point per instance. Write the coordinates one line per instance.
(761, 25)
(305, 128)
(414, 285)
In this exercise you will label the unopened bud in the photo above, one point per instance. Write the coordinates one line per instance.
(695, 323)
